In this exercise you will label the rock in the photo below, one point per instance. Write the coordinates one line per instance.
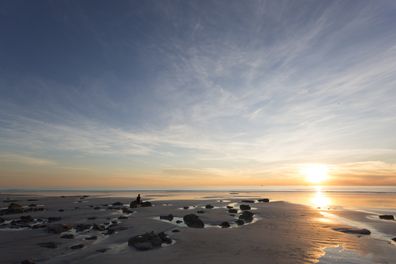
(133, 204)
(126, 210)
(246, 216)
(175, 230)
(32, 200)
(91, 238)
(193, 221)
(61, 210)
(200, 212)
(121, 217)
(230, 207)
(27, 261)
(78, 246)
(244, 207)
(102, 250)
(82, 227)
(58, 228)
(1, 220)
(209, 206)
(97, 208)
(14, 208)
(355, 231)
(394, 239)
(225, 225)
(179, 221)
(232, 211)
(165, 239)
(239, 222)
(264, 200)
(26, 219)
(387, 217)
(117, 204)
(185, 207)
(146, 204)
(247, 201)
(54, 219)
(146, 241)
(99, 227)
(51, 245)
(67, 236)
(168, 217)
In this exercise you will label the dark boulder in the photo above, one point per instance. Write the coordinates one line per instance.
(54, 219)
(246, 216)
(82, 227)
(122, 217)
(387, 217)
(14, 208)
(126, 210)
(26, 219)
(67, 236)
(117, 204)
(175, 230)
(239, 222)
(168, 217)
(354, 231)
(179, 221)
(98, 227)
(264, 200)
(164, 238)
(58, 228)
(394, 239)
(209, 206)
(91, 238)
(247, 201)
(193, 221)
(78, 246)
(225, 225)
(230, 207)
(146, 241)
(185, 207)
(146, 204)
(200, 212)
(232, 211)
(133, 204)
(51, 245)
(244, 207)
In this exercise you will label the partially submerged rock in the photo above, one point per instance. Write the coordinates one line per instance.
(51, 245)
(58, 228)
(232, 211)
(264, 200)
(225, 225)
(355, 231)
(246, 216)
(239, 222)
(244, 207)
(387, 217)
(193, 221)
(149, 241)
(78, 246)
(247, 201)
(168, 217)
(209, 206)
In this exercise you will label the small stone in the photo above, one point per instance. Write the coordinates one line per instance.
(264, 200)
(67, 236)
(168, 217)
(225, 225)
(239, 222)
(193, 221)
(247, 201)
(244, 207)
(91, 238)
(78, 246)
(209, 206)
(51, 245)
(232, 211)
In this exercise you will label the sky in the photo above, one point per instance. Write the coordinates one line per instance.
(130, 94)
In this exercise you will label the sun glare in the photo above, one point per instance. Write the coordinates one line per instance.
(315, 173)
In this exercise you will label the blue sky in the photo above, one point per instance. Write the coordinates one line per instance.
(229, 92)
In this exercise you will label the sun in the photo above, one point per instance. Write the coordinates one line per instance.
(315, 173)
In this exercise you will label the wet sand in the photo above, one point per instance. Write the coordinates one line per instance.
(280, 233)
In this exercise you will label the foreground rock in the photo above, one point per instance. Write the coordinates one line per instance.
(264, 200)
(149, 241)
(168, 217)
(225, 225)
(246, 216)
(58, 228)
(354, 231)
(135, 204)
(244, 207)
(387, 217)
(192, 220)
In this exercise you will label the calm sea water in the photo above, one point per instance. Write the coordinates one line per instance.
(372, 198)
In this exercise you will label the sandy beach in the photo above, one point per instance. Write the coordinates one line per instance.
(93, 229)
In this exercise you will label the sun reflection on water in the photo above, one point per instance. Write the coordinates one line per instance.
(320, 200)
